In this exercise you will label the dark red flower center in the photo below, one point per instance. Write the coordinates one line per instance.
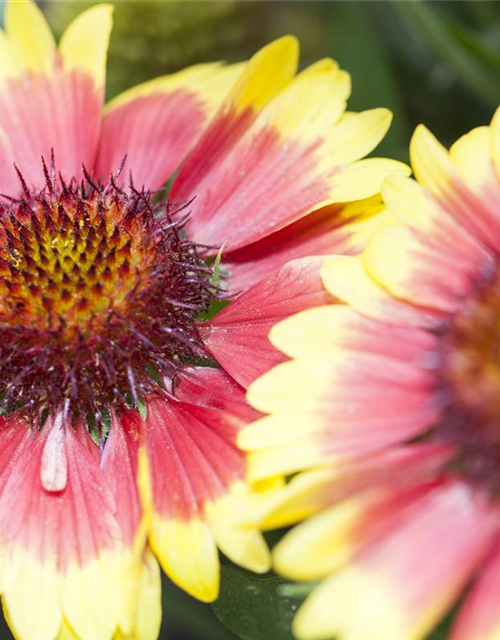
(98, 288)
(471, 378)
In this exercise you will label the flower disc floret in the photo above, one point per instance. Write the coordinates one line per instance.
(96, 285)
(469, 373)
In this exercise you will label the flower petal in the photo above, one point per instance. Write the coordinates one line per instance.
(61, 549)
(240, 541)
(9, 67)
(355, 135)
(238, 335)
(322, 385)
(120, 466)
(156, 123)
(84, 44)
(286, 163)
(215, 389)
(495, 140)
(472, 157)
(140, 584)
(188, 555)
(478, 617)
(436, 172)
(340, 404)
(264, 76)
(313, 331)
(364, 178)
(440, 545)
(307, 492)
(178, 535)
(57, 112)
(147, 599)
(332, 538)
(346, 279)
(342, 228)
(285, 445)
(412, 270)
(192, 485)
(40, 115)
(417, 209)
(31, 42)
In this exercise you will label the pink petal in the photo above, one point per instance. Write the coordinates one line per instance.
(319, 233)
(39, 114)
(405, 582)
(119, 466)
(214, 389)
(154, 132)
(192, 455)
(64, 544)
(193, 482)
(396, 467)
(262, 186)
(440, 545)
(357, 401)
(52, 522)
(479, 616)
(238, 335)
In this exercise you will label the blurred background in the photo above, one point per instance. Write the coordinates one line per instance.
(432, 62)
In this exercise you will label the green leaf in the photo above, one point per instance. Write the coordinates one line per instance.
(442, 631)
(214, 280)
(97, 434)
(254, 607)
(215, 305)
(142, 409)
(478, 48)
(482, 14)
(169, 184)
(448, 43)
(187, 618)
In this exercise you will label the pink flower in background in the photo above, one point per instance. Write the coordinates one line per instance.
(392, 402)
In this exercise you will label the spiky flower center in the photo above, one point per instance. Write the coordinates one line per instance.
(470, 376)
(66, 263)
(473, 347)
(97, 287)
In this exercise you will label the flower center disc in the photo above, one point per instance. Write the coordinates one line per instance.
(472, 363)
(471, 379)
(67, 264)
(96, 287)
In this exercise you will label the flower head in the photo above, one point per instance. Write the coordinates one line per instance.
(394, 389)
(121, 401)
(96, 286)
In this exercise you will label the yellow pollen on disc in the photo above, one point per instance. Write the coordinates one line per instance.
(68, 264)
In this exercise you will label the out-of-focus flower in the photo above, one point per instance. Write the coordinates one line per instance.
(394, 397)
(121, 404)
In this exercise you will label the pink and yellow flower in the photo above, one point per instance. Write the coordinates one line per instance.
(121, 405)
(391, 398)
